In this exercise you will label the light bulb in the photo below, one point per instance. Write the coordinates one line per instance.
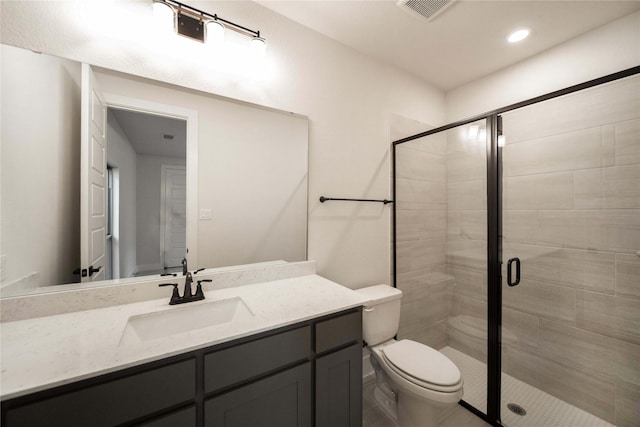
(259, 46)
(164, 17)
(215, 32)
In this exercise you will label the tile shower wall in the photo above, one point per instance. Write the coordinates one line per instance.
(571, 199)
(466, 249)
(441, 240)
(571, 212)
(421, 197)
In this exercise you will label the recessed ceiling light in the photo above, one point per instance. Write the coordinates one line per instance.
(518, 35)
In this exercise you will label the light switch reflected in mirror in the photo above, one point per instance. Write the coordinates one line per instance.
(250, 203)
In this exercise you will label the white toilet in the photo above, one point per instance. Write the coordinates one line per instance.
(416, 384)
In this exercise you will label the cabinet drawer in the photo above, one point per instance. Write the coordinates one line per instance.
(113, 402)
(282, 400)
(183, 418)
(338, 331)
(245, 361)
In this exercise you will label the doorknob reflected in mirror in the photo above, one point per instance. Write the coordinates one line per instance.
(93, 269)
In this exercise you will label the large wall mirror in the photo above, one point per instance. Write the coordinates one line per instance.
(185, 175)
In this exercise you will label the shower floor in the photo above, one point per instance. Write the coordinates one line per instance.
(542, 409)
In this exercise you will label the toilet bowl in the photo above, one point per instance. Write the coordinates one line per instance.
(415, 384)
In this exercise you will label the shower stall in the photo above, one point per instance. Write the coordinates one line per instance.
(517, 248)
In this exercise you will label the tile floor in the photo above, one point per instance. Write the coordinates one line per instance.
(543, 410)
(375, 417)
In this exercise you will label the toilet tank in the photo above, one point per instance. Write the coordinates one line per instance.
(381, 315)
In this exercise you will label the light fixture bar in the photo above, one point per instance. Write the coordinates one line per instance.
(236, 26)
(204, 17)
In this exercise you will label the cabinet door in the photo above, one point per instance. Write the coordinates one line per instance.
(339, 388)
(282, 400)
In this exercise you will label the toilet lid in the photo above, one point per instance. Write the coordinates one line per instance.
(423, 362)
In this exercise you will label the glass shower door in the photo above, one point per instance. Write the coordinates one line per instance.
(571, 228)
(441, 248)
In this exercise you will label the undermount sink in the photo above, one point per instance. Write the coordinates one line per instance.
(185, 318)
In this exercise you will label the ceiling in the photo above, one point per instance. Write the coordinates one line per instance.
(465, 42)
(146, 133)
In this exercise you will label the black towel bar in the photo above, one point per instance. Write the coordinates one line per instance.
(325, 199)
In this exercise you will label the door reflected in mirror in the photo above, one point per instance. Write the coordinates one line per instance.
(146, 209)
(235, 193)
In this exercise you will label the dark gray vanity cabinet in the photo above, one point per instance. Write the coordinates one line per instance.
(302, 375)
(282, 399)
(339, 388)
(184, 417)
(110, 402)
(338, 375)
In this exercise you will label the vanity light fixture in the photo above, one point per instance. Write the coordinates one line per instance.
(164, 16)
(201, 26)
(215, 32)
(259, 46)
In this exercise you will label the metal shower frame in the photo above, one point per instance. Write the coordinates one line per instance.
(494, 229)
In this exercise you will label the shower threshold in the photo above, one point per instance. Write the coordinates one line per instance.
(540, 408)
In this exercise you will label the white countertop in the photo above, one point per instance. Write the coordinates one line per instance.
(45, 352)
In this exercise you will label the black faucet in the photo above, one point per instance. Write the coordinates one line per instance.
(187, 286)
(187, 296)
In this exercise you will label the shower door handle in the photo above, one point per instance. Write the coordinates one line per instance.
(517, 281)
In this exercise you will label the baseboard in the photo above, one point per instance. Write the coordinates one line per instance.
(368, 374)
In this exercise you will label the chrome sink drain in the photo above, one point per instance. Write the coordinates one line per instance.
(516, 409)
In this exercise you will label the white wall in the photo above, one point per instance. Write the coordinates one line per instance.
(40, 140)
(253, 175)
(121, 155)
(605, 50)
(347, 96)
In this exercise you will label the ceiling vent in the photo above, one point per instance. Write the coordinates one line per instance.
(429, 9)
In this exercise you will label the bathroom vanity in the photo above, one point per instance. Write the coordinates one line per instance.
(295, 360)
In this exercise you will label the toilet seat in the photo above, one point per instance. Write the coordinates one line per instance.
(423, 366)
